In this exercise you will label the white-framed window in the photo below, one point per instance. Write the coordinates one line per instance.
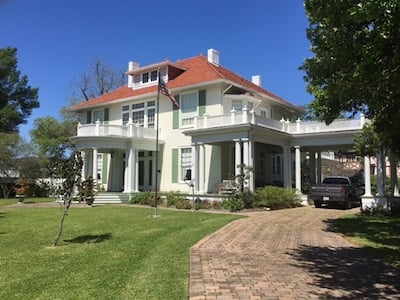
(98, 115)
(142, 114)
(149, 77)
(277, 165)
(153, 76)
(125, 114)
(238, 105)
(99, 165)
(188, 107)
(185, 161)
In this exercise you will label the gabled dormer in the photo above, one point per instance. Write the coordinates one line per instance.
(148, 76)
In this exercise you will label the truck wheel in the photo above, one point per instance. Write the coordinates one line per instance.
(348, 204)
(317, 204)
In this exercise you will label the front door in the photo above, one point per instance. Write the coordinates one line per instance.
(145, 171)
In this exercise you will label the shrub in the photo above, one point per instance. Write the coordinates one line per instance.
(144, 198)
(275, 197)
(233, 204)
(172, 199)
(183, 204)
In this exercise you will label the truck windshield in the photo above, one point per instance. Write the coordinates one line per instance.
(330, 180)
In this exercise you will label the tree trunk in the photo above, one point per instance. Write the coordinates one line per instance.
(60, 229)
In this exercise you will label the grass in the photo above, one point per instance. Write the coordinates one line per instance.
(9, 201)
(379, 234)
(106, 252)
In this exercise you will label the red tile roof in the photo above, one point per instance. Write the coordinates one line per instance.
(197, 71)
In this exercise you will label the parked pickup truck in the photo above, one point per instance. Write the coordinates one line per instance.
(338, 190)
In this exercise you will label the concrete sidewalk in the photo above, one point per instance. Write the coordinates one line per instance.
(287, 254)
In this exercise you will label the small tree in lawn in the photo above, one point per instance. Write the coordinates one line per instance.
(70, 171)
(241, 196)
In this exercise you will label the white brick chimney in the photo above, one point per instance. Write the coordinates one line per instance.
(213, 56)
(131, 66)
(256, 79)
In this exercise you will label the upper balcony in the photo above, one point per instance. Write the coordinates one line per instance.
(129, 130)
(298, 127)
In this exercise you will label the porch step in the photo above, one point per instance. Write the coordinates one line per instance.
(111, 198)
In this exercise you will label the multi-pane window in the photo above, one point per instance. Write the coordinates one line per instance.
(99, 165)
(145, 77)
(263, 113)
(141, 114)
(238, 105)
(99, 115)
(188, 108)
(277, 166)
(149, 77)
(125, 114)
(186, 161)
(153, 76)
(138, 117)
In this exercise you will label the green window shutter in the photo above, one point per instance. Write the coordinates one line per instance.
(175, 112)
(175, 165)
(202, 102)
(89, 117)
(106, 115)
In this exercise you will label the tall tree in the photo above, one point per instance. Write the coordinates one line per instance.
(99, 79)
(8, 168)
(356, 63)
(52, 139)
(17, 98)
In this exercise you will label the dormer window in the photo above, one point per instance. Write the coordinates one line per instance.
(153, 75)
(145, 77)
(149, 77)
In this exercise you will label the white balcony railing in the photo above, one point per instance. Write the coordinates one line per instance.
(298, 127)
(129, 130)
(234, 118)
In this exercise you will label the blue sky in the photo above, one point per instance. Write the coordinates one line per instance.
(57, 40)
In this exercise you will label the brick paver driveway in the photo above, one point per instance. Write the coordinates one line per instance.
(287, 254)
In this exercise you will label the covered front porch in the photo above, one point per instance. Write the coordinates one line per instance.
(273, 150)
(119, 158)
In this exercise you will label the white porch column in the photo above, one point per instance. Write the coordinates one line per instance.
(94, 166)
(298, 168)
(84, 166)
(128, 170)
(319, 168)
(195, 167)
(367, 176)
(238, 156)
(201, 165)
(251, 164)
(246, 158)
(135, 170)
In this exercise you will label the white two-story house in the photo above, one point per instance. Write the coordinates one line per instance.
(223, 121)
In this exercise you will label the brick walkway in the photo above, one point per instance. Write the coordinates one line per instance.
(287, 254)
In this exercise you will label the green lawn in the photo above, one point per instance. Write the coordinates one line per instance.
(27, 200)
(106, 252)
(380, 234)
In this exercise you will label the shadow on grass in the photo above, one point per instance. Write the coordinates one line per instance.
(382, 232)
(90, 238)
(351, 270)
